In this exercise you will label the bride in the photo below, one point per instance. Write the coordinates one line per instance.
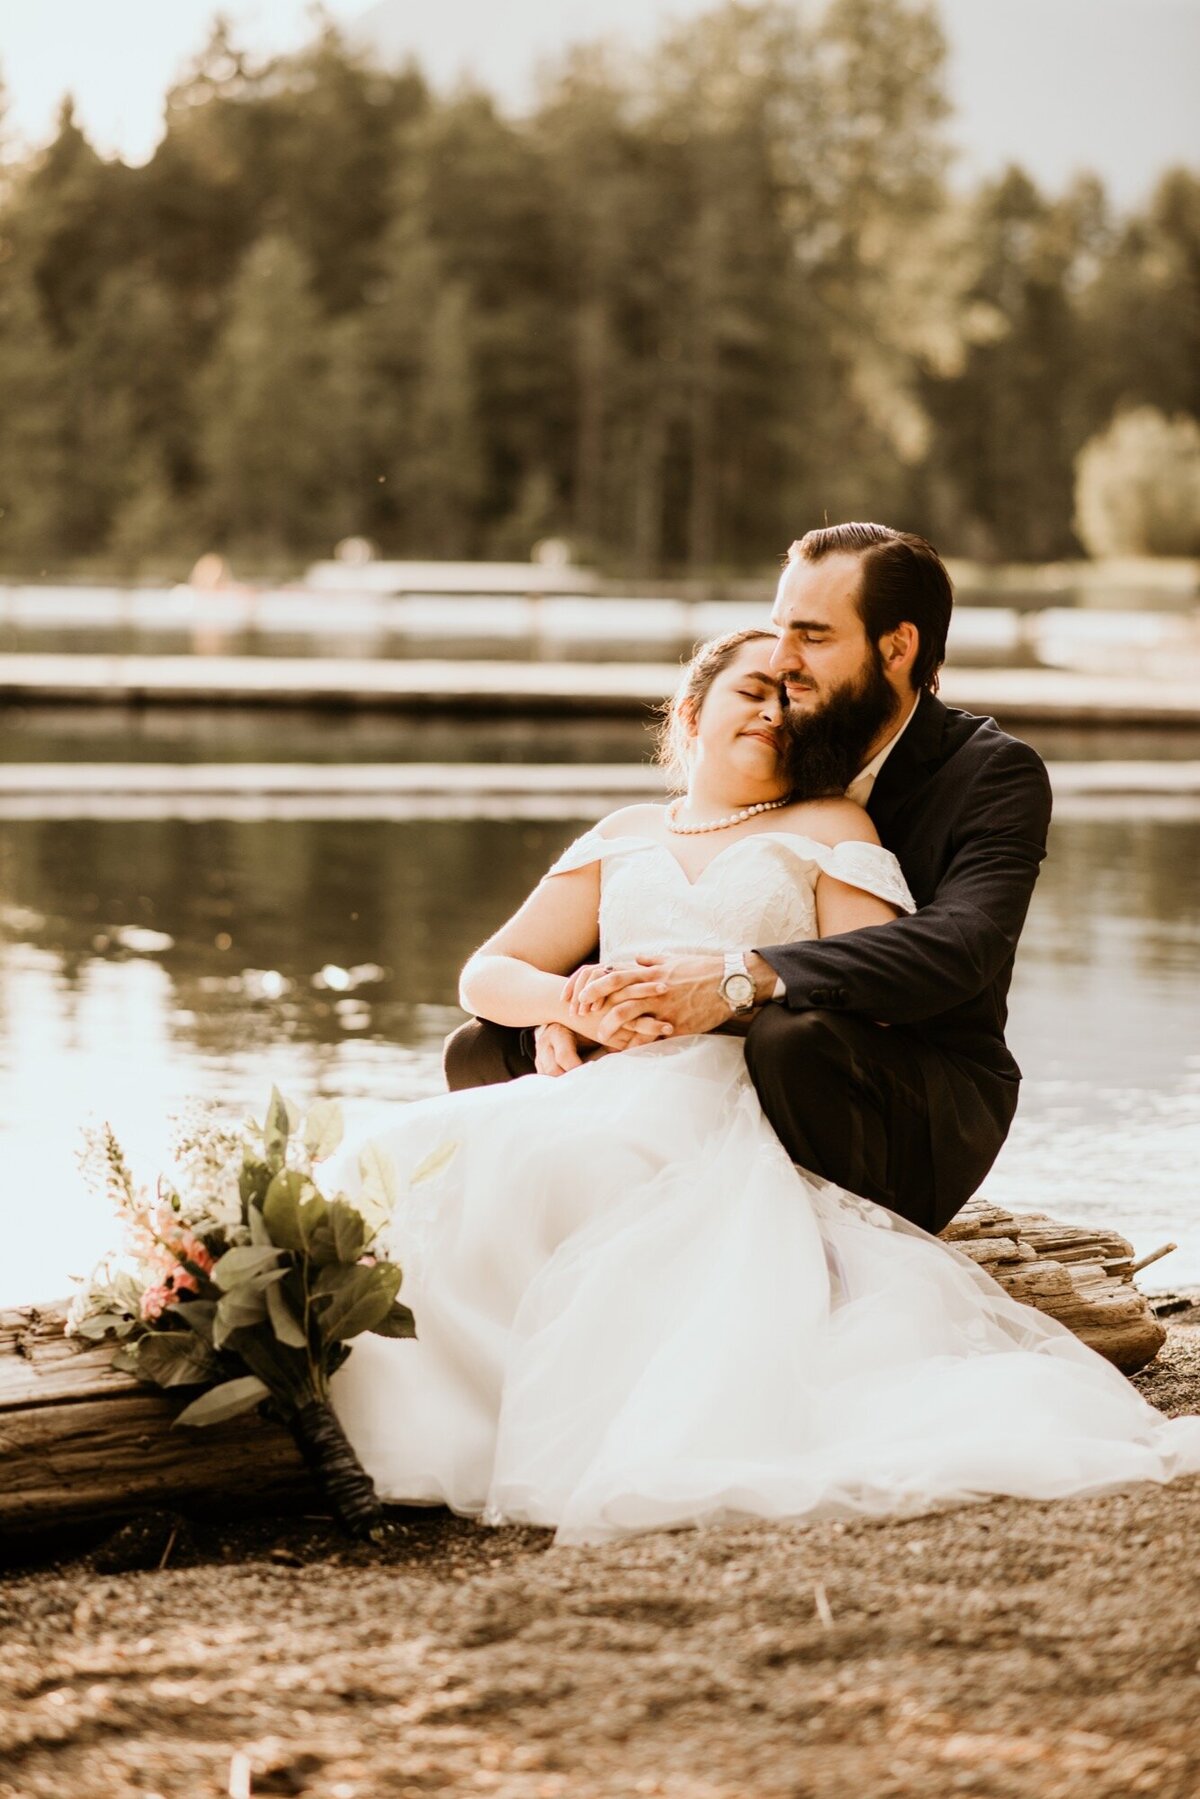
(633, 1311)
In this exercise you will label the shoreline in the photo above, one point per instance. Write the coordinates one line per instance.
(1022, 1650)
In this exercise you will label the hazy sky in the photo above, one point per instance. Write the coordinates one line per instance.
(1057, 84)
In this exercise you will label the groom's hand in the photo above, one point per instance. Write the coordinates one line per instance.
(682, 992)
(627, 1014)
(557, 1049)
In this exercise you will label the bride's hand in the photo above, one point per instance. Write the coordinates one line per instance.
(682, 992)
(557, 1049)
(624, 1015)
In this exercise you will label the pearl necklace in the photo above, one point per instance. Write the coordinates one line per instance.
(720, 824)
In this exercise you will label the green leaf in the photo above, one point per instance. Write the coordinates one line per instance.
(260, 1236)
(228, 1400)
(243, 1264)
(354, 1299)
(397, 1322)
(281, 1209)
(283, 1320)
(253, 1181)
(349, 1230)
(127, 1293)
(175, 1359)
(276, 1130)
(236, 1310)
(312, 1214)
(199, 1316)
(126, 1358)
(98, 1324)
(323, 1128)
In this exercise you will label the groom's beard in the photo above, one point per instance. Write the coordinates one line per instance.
(824, 749)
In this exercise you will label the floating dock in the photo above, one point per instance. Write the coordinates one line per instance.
(574, 689)
(411, 790)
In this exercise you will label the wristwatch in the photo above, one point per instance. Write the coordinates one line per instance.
(737, 985)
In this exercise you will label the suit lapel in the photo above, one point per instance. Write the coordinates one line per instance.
(920, 745)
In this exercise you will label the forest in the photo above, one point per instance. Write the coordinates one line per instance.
(686, 306)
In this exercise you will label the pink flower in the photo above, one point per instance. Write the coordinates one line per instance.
(155, 1301)
(192, 1250)
(183, 1281)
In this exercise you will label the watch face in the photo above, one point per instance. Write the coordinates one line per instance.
(739, 991)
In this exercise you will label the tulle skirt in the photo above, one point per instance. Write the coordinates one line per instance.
(635, 1313)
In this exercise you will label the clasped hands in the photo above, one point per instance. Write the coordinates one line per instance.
(615, 1007)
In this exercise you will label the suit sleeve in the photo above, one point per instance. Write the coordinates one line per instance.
(951, 949)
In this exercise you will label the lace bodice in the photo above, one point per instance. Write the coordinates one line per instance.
(759, 889)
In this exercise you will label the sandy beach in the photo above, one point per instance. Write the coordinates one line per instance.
(1001, 1649)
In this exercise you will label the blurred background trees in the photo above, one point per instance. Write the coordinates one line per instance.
(687, 307)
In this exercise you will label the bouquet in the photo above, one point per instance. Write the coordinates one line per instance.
(244, 1280)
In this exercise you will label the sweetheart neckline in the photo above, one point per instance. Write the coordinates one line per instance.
(751, 837)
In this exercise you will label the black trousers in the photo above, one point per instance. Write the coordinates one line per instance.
(879, 1110)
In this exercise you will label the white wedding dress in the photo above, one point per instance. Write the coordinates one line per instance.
(634, 1312)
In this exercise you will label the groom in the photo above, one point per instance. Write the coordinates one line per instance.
(878, 1055)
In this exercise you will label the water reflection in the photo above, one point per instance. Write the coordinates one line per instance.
(49, 733)
(146, 962)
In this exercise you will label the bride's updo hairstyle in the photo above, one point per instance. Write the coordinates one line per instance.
(672, 737)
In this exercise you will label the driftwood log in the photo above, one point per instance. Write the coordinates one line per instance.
(1075, 1273)
(81, 1442)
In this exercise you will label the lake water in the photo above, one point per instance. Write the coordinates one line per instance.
(95, 1023)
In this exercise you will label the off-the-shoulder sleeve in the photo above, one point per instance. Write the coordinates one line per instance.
(865, 865)
(593, 847)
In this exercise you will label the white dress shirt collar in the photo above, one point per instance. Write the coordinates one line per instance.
(864, 781)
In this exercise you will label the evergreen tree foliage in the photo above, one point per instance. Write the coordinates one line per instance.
(694, 302)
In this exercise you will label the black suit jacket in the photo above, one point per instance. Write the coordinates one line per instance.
(965, 809)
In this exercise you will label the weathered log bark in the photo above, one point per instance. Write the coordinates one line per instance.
(80, 1441)
(1077, 1274)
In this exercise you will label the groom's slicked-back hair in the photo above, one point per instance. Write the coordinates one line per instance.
(904, 580)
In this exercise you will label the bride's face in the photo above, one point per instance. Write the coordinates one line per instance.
(737, 731)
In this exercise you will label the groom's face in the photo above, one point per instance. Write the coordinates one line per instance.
(824, 656)
(823, 649)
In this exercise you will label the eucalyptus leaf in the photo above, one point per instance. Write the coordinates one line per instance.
(238, 1265)
(283, 1320)
(354, 1299)
(228, 1400)
(397, 1322)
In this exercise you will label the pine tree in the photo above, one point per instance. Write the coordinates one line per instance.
(264, 409)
